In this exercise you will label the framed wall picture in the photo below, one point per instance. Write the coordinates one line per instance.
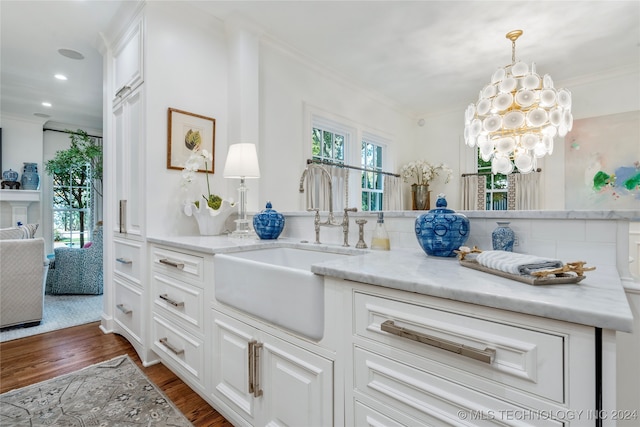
(188, 132)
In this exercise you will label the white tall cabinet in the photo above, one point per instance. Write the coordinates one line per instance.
(126, 255)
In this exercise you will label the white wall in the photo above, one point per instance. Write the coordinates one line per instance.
(289, 89)
(185, 68)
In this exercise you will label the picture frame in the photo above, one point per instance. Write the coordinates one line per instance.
(186, 133)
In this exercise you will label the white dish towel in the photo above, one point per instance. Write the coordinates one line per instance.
(515, 263)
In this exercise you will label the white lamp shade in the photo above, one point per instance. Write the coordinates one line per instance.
(242, 162)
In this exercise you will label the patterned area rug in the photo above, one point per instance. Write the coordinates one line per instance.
(60, 311)
(112, 393)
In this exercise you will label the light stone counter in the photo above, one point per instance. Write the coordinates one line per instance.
(597, 301)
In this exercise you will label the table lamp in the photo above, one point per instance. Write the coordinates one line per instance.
(242, 162)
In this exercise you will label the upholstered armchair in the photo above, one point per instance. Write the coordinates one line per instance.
(78, 270)
(23, 271)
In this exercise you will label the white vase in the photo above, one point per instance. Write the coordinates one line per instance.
(210, 222)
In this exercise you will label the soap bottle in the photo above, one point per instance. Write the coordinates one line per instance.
(380, 239)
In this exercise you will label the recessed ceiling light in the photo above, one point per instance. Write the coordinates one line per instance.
(46, 104)
(70, 53)
(43, 115)
(60, 77)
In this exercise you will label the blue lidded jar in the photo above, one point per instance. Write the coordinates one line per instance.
(268, 223)
(10, 175)
(441, 231)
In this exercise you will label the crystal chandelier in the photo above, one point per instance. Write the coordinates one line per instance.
(517, 116)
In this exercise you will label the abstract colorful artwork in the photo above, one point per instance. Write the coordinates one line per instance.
(602, 163)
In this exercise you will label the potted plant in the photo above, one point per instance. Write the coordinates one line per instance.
(212, 214)
(420, 174)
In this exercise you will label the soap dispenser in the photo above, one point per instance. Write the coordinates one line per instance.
(380, 239)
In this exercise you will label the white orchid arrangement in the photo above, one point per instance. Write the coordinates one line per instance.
(423, 172)
(191, 166)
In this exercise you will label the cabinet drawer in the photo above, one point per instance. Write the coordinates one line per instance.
(128, 259)
(179, 349)
(430, 398)
(128, 308)
(366, 416)
(179, 265)
(523, 359)
(181, 299)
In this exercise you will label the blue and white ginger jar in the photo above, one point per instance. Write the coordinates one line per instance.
(269, 223)
(441, 231)
(503, 237)
(10, 175)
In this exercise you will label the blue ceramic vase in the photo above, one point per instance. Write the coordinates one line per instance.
(503, 237)
(30, 178)
(268, 223)
(441, 231)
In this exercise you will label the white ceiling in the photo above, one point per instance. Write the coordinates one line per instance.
(421, 56)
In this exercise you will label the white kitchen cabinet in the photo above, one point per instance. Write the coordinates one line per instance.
(177, 323)
(268, 381)
(128, 133)
(128, 62)
(439, 362)
(129, 310)
(126, 267)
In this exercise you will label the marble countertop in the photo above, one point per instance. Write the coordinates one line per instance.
(599, 300)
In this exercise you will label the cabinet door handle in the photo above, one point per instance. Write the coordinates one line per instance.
(123, 309)
(166, 261)
(257, 391)
(487, 355)
(170, 347)
(174, 303)
(252, 365)
(122, 90)
(123, 216)
(124, 260)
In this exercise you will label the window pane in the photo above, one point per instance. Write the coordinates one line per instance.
(500, 182)
(316, 138)
(365, 201)
(378, 162)
(327, 147)
(339, 148)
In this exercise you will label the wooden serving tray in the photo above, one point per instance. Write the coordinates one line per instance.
(558, 279)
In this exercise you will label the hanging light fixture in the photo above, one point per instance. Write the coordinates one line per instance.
(517, 116)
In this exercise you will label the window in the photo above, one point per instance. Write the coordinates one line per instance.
(496, 191)
(330, 141)
(328, 145)
(72, 199)
(372, 182)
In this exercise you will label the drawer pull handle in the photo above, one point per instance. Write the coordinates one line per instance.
(174, 303)
(487, 355)
(122, 90)
(170, 263)
(170, 347)
(123, 309)
(124, 260)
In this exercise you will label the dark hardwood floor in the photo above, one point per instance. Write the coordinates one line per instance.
(37, 358)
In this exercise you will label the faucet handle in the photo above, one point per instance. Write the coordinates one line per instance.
(350, 210)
